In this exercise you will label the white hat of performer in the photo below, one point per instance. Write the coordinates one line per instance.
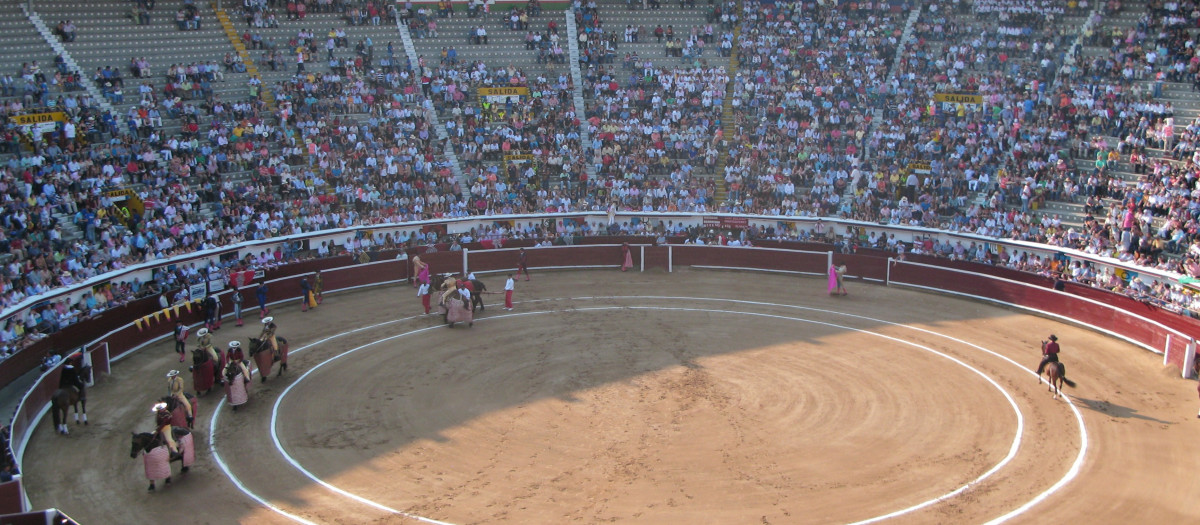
(172, 373)
(267, 320)
(235, 344)
(158, 407)
(201, 332)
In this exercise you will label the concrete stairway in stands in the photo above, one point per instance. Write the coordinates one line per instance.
(577, 93)
(57, 46)
(431, 115)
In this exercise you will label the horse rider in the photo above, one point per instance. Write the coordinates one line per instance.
(175, 390)
(162, 427)
(449, 286)
(204, 338)
(235, 361)
(70, 374)
(1049, 354)
(267, 337)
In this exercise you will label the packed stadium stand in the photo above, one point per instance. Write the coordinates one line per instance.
(153, 129)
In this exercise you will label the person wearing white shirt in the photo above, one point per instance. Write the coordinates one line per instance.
(509, 287)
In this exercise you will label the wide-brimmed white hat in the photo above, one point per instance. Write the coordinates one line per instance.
(235, 344)
(201, 332)
(172, 373)
(268, 320)
(158, 406)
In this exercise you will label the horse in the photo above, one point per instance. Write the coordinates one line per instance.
(264, 358)
(178, 413)
(206, 373)
(157, 459)
(65, 398)
(1057, 373)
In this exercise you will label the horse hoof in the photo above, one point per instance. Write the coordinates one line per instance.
(167, 482)
(151, 489)
(185, 469)
(264, 379)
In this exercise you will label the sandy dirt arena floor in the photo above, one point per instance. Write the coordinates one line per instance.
(690, 397)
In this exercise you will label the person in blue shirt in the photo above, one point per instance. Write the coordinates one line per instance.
(261, 293)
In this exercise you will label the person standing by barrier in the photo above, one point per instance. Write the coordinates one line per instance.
(1049, 354)
(509, 287)
(423, 293)
(237, 299)
(836, 274)
(421, 269)
(626, 257)
(181, 335)
(261, 292)
(523, 263)
(305, 294)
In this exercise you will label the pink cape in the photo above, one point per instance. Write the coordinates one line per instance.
(157, 462)
(237, 391)
(832, 278)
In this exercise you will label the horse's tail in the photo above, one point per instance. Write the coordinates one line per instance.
(1062, 372)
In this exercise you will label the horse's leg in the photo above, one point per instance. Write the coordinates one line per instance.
(83, 407)
(151, 489)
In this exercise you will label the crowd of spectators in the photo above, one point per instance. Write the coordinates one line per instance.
(822, 128)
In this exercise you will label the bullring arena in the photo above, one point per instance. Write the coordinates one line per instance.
(695, 395)
(989, 173)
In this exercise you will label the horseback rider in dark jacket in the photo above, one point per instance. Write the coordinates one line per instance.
(70, 377)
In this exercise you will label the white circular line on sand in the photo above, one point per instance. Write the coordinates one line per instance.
(1014, 447)
(1083, 435)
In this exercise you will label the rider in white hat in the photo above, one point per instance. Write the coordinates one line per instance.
(162, 425)
(175, 389)
(267, 337)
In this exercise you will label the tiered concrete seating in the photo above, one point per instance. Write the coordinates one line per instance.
(21, 42)
(109, 36)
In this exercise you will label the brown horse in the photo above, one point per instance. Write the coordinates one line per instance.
(264, 358)
(1057, 373)
(65, 398)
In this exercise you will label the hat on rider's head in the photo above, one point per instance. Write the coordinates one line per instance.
(201, 332)
(268, 320)
(235, 344)
(158, 407)
(172, 373)
(1053, 337)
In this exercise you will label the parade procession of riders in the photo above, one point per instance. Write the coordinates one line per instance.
(174, 414)
(211, 367)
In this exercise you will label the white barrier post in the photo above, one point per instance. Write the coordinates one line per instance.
(643, 252)
(1167, 351)
(465, 272)
(670, 259)
(1189, 359)
(887, 278)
